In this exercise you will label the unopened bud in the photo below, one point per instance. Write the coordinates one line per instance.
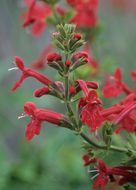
(72, 90)
(77, 36)
(68, 63)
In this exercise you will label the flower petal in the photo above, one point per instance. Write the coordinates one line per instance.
(83, 86)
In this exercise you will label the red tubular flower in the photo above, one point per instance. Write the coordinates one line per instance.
(41, 91)
(124, 113)
(40, 62)
(113, 110)
(36, 15)
(105, 172)
(87, 160)
(85, 13)
(83, 86)
(102, 179)
(82, 54)
(91, 106)
(53, 57)
(38, 116)
(127, 117)
(29, 19)
(114, 90)
(28, 73)
(89, 84)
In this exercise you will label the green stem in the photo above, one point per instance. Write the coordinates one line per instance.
(66, 86)
(55, 14)
(114, 148)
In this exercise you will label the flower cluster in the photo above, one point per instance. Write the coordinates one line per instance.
(82, 98)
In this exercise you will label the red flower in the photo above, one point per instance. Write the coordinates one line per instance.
(116, 88)
(127, 118)
(36, 15)
(28, 73)
(91, 107)
(82, 55)
(87, 160)
(53, 57)
(38, 116)
(28, 16)
(89, 84)
(102, 179)
(85, 13)
(107, 113)
(105, 172)
(40, 62)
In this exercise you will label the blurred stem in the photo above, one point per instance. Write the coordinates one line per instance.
(54, 13)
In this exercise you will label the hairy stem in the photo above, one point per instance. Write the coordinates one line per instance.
(112, 148)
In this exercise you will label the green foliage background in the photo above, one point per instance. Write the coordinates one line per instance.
(52, 160)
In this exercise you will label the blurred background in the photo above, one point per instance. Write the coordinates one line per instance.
(52, 160)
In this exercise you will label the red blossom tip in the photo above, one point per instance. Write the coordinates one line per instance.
(19, 63)
(92, 84)
(30, 108)
(77, 36)
(41, 91)
(68, 63)
(87, 160)
(118, 75)
(92, 96)
(72, 90)
(81, 54)
(53, 57)
(29, 19)
(83, 86)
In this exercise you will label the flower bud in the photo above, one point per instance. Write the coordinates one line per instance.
(55, 34)
(68, 63)
(77, 36)
(41, 91)
(53, 57)
(72, 90)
